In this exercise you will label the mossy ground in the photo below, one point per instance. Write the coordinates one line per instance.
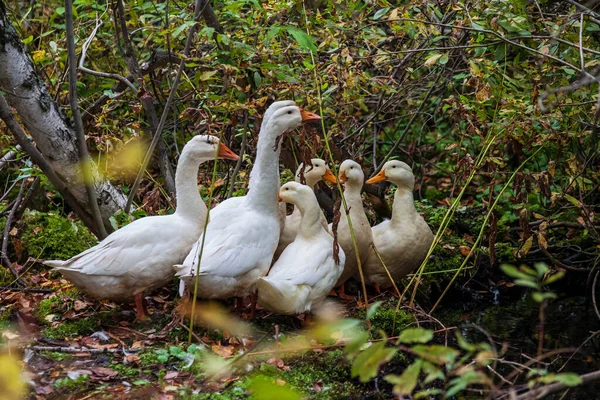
(53, 237)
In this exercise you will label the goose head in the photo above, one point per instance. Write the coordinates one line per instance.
(294, 192)
(316, 171)
(288, 117)
(205, 147)
(351, 172)
(397, 172)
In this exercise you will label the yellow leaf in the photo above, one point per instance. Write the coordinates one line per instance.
(527, 246)
(432, 60)
(39, 54)
(542, 241)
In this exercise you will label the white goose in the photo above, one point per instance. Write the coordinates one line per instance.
(402, 241)
(139, 257)
(239, 242)
(306, 271)
(317, 171)
(352, 175)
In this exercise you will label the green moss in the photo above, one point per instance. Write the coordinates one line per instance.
(126, 370)
(58, 303)
(383, 320)
(51, 236)
(72, 385)
(56, 356)
(73, 328)
(331, 370)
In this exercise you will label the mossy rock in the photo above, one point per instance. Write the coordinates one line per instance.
(54, 237)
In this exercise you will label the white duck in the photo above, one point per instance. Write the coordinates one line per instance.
(402, 241)
(352, 175)
(306, 271)
(317, 171)
(239, 242)
(139, 257)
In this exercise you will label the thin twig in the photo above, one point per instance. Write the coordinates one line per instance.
(24, 289)
(62, 349)
(10, 156)
(9, 220)
(84, 49)
(84, 157)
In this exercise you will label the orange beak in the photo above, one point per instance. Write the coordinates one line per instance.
(329, 177)
(226, 153)
(343, 177)
(377, 178)
(279, 199)
(308, 116)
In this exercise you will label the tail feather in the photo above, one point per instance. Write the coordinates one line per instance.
(281, 296)
(54, 263)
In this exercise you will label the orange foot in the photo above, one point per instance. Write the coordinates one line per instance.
(342, 294)
(140, 307)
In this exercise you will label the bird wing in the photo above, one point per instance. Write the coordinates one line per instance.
(148, 239)
(235, 243)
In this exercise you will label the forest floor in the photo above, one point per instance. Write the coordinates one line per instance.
(78, 348)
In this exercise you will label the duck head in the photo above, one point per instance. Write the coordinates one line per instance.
(288, 115)
(351, 172)
(315, 172)
(397, 172)
(294, 192)
(204, 147)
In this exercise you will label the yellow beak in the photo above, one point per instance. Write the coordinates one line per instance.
(343, 177)
(377, 178)
(329, 177)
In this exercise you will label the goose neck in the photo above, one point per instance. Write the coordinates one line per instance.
(264, 178)
(189, 202)
(404, 207)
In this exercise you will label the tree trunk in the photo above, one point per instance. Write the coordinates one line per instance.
(51, 130)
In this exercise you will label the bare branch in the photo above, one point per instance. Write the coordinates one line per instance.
(84, 157)
(84, 49)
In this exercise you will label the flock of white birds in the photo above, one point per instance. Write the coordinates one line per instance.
(250, 247)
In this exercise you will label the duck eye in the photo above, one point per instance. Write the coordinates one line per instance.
(393, 166)
(289, 112)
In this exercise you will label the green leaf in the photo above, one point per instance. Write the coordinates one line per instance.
(513, 272)
(444, 59)
(568, 378)
(526, 282)
(182, 27)
(367, 363)
(28, 39)
(373, 309)
(436, 353)
(405, 383)
(257, 79)
(380, 13)
(553, 278)
(433, 373)
(415, 335)
(305, 41)
(354, 344)
(538, 297)
(541, 268)
(264, 388)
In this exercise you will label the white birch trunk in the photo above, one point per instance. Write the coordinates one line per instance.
(50, 129)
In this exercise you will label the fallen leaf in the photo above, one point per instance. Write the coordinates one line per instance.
(223, 351)
(464, 250)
